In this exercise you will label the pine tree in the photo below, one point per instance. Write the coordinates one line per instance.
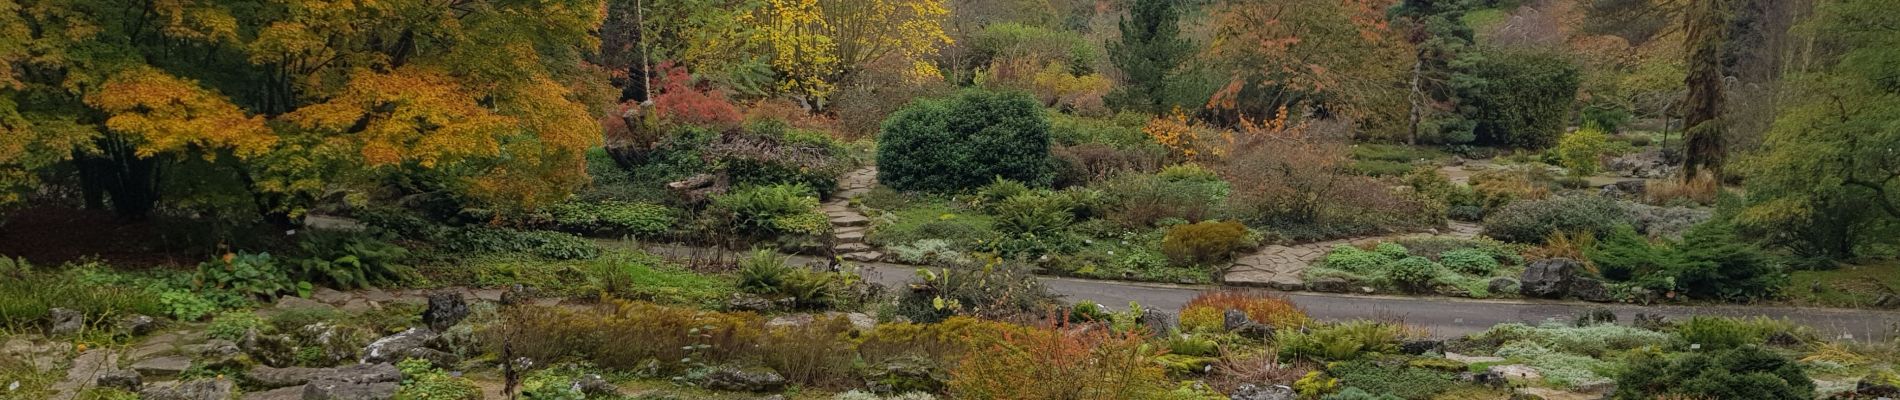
(1149, 51)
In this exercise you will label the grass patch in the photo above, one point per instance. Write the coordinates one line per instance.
(1847, 286)
(1377, 159)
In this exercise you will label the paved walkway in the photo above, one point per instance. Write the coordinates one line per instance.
(847, 224)
(1443, 317)
(1281, 266)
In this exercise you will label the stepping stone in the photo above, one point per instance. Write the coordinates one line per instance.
(84, 373)
(864, 256)
(162, 366)
(851, 248)
(850, 220)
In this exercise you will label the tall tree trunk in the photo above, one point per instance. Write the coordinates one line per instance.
(1417, 97)
(1703, 124)
(130, 182)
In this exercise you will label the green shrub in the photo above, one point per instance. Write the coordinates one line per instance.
(1413, 273)
(1140, 201)
(767, 211)
(350, 261)
(1391, 250)
(1747, 372)
(964, 142)
(1517, 97)
(765, 272)
(999, 190)
(1712, 262)
(1533, 221)
(1203, 242)
(422, 381)
(1355, 260)
(1581, 150)
(1033, 213)
(938, 252)
(994, 290)
(545, 244)
(613, 217)
(186, 305)
(1718, 333)
(1624, 255)
(254, 275)
(1344, 341)
(1400, 380)
(231, 325)
(1470, 261)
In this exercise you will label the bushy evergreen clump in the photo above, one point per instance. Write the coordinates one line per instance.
(964, 142)
(1746, 372)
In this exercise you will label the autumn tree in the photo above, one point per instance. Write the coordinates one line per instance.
(1150, 49)
(291, 100)
(1330, 58)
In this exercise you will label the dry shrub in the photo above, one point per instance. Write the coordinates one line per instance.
(1203, 242)
(1498, 188)
(778, 109)
(947, 340)
(667, 334)
(1300, 182)
(1262, 368)
(1260, 307)
(1093, 162)
(1061, 364)
(1703, 189)
(1144, 200)
(814, 354)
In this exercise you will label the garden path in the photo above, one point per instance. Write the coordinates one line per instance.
(847, 224)
(1280, 266)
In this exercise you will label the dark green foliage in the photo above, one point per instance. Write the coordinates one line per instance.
(1722, 333)
(612, 218)
(766, 273)
(1713, 263)
(546, 244)
(346, 260)
(254, 275)
(995, 290)
(1344, 341)
(1624, 255)
(1149, 50)
(1747, 372)
(768, 211)
(1391, 377)
(1517, 98)
(1533, 221)
(964, 142)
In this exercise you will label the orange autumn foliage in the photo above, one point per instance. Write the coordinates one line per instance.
(167, 113)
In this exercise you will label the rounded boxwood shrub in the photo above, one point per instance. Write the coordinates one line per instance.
(964, 142)
(1532, 221)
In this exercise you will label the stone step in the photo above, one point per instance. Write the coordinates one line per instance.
(851, 248)
(850, 220)
(841, 213)
(849, 237)
(864, 256)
